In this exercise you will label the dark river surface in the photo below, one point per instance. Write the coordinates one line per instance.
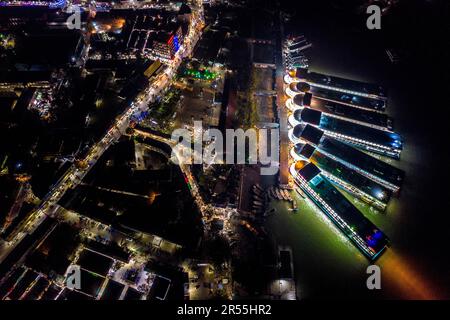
(416, 266)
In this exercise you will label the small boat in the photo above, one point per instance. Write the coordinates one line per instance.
(255, 197)
(284, 194)
(258, 186)
(257, 191)
(300, 192)
(278, 193)
(272, 193)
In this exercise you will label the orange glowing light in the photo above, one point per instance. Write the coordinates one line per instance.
(405, 277)
(299, 165)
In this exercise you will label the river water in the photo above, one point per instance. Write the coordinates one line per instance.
(416, 266)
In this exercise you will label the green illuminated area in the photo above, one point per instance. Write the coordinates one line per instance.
(203, 74)
(247, 110)
(7, 41)
(162, 112)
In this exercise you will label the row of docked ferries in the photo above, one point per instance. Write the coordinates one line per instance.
(336, 126)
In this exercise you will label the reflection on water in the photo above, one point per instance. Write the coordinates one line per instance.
(401, 274)
(328, 265)
(152, 196)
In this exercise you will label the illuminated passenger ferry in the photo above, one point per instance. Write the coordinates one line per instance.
(324, 81)
(364, 234)
(344, 177)
(371, 102)
(341, 111)
(378, 141)
(377, 170)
